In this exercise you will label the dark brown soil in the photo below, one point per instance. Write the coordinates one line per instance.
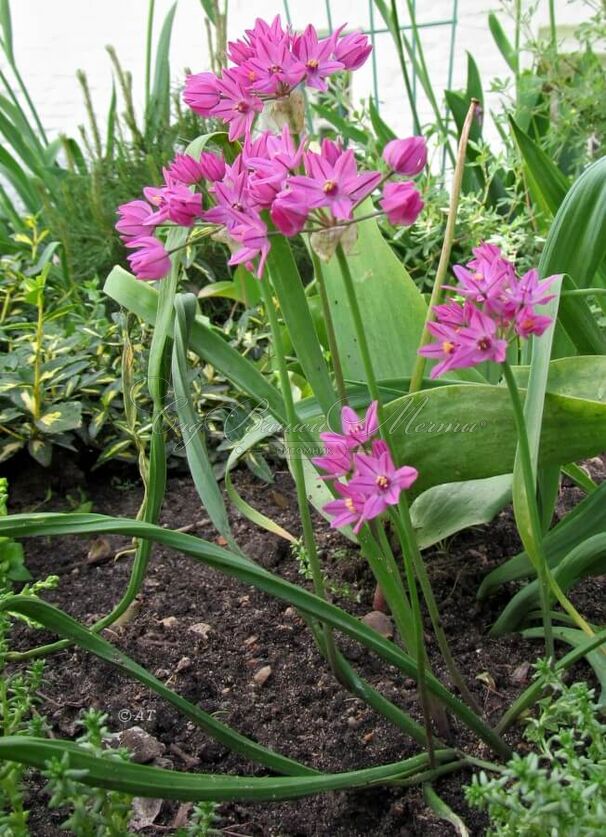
(300, 710)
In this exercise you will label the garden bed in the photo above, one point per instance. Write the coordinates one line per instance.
(209, 637)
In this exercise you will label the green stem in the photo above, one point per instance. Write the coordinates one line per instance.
(395, 596)
(533, 509)
(416, 380)
(330, 328)
(297, 466)
(552, 26)
(404, 525)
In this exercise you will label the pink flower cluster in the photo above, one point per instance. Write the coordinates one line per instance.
(269, 62)
(272, 177)
(372, 480)
(495, 306)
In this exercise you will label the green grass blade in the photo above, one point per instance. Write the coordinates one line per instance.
(158, 112)
(58, 622)
(502, 41)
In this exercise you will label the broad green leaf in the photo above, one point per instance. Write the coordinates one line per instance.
(61, 417)
(588, 558)
(392, 306)
(586, 519)
(445, 509)
(461, 432)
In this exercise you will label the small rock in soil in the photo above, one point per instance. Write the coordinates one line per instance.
(145, 812)
(200, 628)
(143, 746)
(169, 623)
(262, 676)
(380, 622)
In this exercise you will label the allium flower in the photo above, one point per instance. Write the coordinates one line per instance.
(251, 232)
(178, 205)
(289, 213)
(237, 106)
(316, 57)
(132, 220)
(212, 166)
(356, 431)
(352, 50)
(202, 93)
(401, 202)
(184, 169)
(337, 461)
(337, 185)
(406, 156)
(348, 510)
(150, 260)
(498, 307)
(377, 479)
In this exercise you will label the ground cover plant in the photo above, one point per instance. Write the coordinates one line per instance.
(404, 420)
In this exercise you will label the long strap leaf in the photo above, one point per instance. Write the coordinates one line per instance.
(57, 621)
(156, 782)
(192, 437)
(249, 573)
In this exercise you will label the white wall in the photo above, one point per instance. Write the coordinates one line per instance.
(54, 38)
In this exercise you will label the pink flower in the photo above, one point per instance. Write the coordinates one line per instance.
(406, 156)
(177, 204)
(531, 291)
(150, 261)
(336, 461)
(275, 69)
(212, 166)
(337, 185)
(444, 350)
(251, 232)
(348, 510)
(237, 106)
(315, 57)
(184, 169)
(401, 202)
(201, 93)
(289, 214)
(132, 219)
(232, 197)
(356, 431)
(352, 50)
(377, 479)
(270, 169)
(527, 322)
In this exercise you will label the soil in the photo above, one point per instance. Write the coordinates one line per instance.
(207, 636)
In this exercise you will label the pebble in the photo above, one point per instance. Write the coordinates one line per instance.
(142, 746)
(262, 676)
(200, 628)
(380, 622)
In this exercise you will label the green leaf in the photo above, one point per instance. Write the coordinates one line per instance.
(61, 417)
(158, 112)
(7, 30)
(159, 783)
(502, 41)
(62, 624)
(192, 436)
(588, 558)
(467, 432)
(444, 811)
(295, 310)
(587, 518)
(445, 509)
(23, 525)
(381, 128)
(209, 10)
(392, 306)
(344, 126)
